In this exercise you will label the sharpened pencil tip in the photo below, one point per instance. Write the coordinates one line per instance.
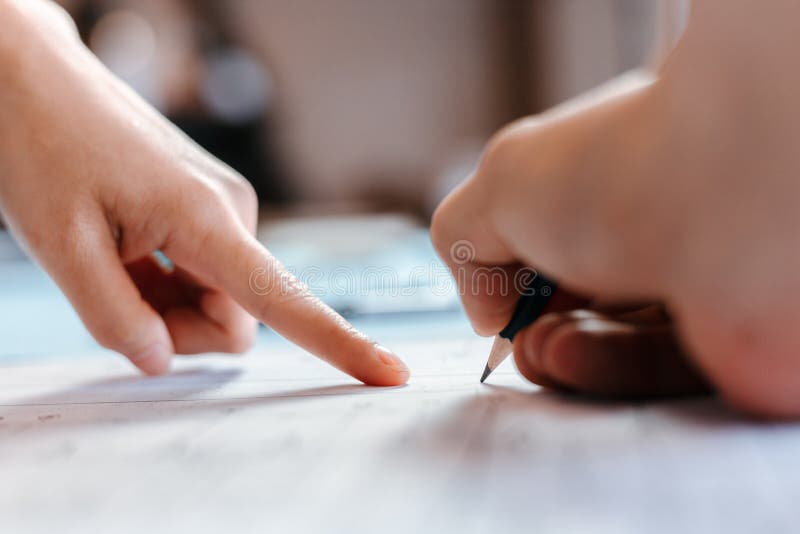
(486, 373)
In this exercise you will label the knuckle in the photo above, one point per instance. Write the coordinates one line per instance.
(453, 219)
(480, 191)
(239, 189)
(205, 206)
(502, 148)
(246, 201)
(209, 193)
(223, 197)
(196, 198)
(245, 192)
(495, 152)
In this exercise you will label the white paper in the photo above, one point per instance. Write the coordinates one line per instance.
(278, 442)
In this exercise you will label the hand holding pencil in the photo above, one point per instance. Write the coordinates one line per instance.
(505, 223)
(666, 210)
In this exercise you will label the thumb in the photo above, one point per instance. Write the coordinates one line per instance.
(89, 271)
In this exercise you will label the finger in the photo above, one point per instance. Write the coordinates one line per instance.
(485, 271)
(489, 289)
(532, 339)
(232, 260)
(198, 319)
(239, 326)
(547, 323)
(607, 358)
(218, 324)
(489, 296)
(90, 273)
(163, 289)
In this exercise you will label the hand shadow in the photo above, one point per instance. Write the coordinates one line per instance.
(519, 423)
(180, 394)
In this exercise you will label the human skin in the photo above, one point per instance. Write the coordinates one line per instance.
(93, 180)
(682, 193)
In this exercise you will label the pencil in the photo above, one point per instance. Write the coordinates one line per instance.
(530, 307)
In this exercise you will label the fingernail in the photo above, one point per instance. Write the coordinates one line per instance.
(390, 359)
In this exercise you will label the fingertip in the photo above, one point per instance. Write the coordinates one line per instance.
(388, 379)
(379, 367)
(483, 330)
(389, 371)
(487, 319)
(156, 360)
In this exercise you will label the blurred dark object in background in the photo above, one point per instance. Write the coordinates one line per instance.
(242, 146)
(383, 104)
(184, 58)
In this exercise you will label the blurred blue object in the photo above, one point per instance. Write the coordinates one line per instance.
(35, 318)
(364, 264)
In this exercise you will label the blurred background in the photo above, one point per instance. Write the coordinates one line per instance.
(354, 118)
(364, 104)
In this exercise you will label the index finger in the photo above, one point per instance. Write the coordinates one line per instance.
(487, 273)
(233, 260)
